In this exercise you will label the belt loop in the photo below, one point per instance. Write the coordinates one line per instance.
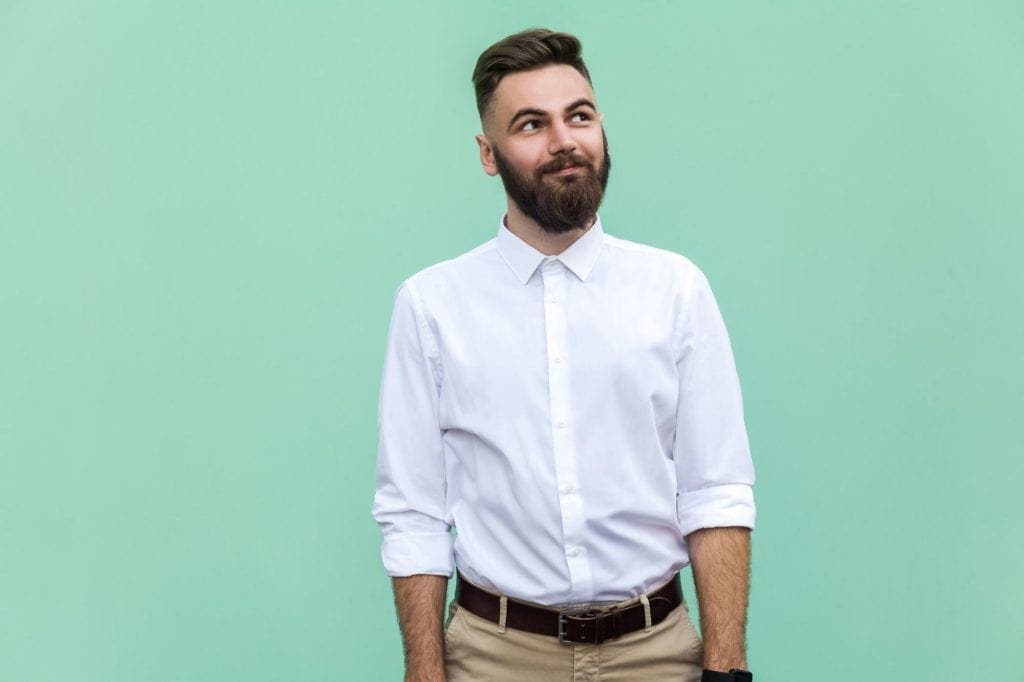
(647, 611)
(502, 613)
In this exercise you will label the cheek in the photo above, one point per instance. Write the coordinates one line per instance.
(595, 145)
(526, 157)
(538, 155)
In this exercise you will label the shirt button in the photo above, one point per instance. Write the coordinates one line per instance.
(557, 359)
(552, 299)
(568, 490)
(576, 551)
(562, 424)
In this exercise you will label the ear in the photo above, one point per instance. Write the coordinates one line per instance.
(486, 156)
(600, 117)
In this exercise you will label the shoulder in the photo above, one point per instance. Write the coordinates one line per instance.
(476, 262)
(663, 263)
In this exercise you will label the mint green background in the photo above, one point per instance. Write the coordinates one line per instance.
(205, 209)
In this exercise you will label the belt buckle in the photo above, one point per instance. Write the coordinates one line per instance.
(563, 623)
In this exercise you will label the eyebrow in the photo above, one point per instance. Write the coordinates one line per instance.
(531, 111)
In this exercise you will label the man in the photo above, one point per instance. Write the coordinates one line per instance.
(567, 401)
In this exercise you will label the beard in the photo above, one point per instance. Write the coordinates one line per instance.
(558, 204)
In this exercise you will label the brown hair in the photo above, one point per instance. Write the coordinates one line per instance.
(523, 51)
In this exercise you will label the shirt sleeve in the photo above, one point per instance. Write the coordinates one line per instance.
(714, 471)
(409, 501)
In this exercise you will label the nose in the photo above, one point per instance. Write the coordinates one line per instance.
(561, 140)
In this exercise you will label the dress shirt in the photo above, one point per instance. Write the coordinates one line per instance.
(572, 417)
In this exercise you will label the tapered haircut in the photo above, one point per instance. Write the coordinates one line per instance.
(523, 51)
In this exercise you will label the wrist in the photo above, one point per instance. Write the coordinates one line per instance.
(734, 675)
(424, 674)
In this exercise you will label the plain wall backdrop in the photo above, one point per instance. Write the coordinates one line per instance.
(206, 208)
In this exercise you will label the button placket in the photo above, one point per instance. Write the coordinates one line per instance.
(567, 479)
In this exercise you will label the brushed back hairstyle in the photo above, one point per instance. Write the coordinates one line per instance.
(523, 51)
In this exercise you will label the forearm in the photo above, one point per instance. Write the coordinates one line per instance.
(419, 600)
(721, 573)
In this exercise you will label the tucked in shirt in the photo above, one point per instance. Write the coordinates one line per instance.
(555, 426)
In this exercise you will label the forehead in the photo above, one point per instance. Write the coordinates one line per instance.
(550, 88)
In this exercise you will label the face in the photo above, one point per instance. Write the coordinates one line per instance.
(543, 136)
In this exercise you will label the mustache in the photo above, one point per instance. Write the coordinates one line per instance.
(562, 160)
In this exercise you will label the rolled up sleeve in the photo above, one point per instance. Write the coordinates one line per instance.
(714, 470)
(409, 502)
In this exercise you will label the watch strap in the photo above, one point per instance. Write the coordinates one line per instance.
(734, 675)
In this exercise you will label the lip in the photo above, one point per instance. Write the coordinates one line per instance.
(567, 171)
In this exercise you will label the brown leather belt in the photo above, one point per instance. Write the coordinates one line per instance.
(571, 626)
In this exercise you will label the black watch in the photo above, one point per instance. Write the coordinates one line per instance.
(734, 675)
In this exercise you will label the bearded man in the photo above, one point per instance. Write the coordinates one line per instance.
(567, 402)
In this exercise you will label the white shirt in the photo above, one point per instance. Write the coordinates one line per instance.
(573, 417)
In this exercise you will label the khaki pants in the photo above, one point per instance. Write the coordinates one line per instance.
(476, 650)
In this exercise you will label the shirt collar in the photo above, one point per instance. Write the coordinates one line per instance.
(524, 259)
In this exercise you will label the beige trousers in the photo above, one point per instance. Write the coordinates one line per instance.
(475, 649)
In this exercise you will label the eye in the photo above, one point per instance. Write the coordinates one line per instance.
(531, 122)
(581, 116)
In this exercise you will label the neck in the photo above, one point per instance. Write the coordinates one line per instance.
(548, 243)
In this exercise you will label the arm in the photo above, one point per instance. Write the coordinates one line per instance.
(409, 503)
(721, 574)
(715, 477)
(419, 600)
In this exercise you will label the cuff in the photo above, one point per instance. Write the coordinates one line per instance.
(715, 507)
(406, 554)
